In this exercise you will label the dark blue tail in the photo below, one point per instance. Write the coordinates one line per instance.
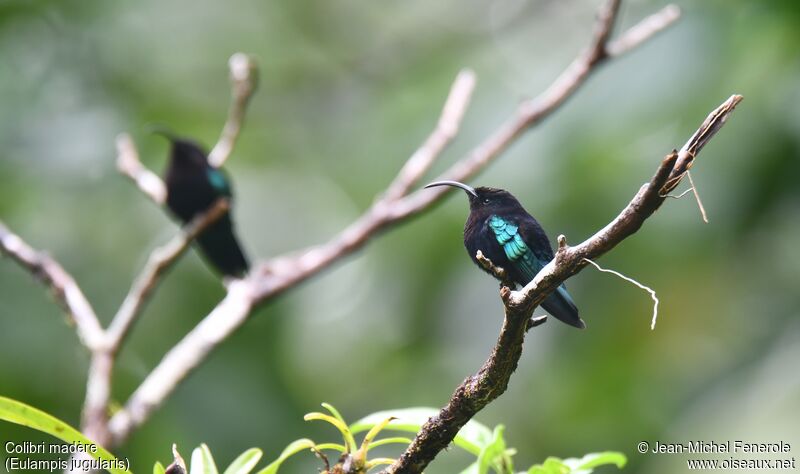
(222, 250)
(560, 305)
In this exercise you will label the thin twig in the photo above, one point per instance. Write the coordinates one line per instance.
(244, 79)
(65, 291)
(697, 197)
(159, 261)
(631, 280)
(279, 274)
(644, 30)
(498, 272)
(672, 196)
(446, 129)
(535, 321)
(128, 164)
(692, 189)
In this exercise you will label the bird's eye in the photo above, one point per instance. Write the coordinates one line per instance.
(486, 200)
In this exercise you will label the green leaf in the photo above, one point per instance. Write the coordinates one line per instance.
(377, 462)
(495, 455)
(586, 464)
(472, 438)
(158, 468)
(294, 448)
(551, 465)
(26, 415)
(332, 447)
(334, 412)
(347, 435)
(245, 462)
(383, 441)
(202, 461)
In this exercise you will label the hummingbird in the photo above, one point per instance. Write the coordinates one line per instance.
(512, 239)
(193, 186)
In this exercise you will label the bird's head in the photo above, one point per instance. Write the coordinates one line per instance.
(483, 198)
(183, 151)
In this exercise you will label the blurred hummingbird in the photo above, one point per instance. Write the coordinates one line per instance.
(511, 238)
(193, 186)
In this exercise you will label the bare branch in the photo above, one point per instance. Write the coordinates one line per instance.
(533, 111)
(160, 260)
(644, 30)
(446, 129)
(128, 164)
(244, 79)
(188, 353)
(65, 291)
(492, 379)
(94, 421)
(711, 125)
(471, 396)
(94, 416)
(273, 277)
(536, 321)
(498, 272)
(631, 280)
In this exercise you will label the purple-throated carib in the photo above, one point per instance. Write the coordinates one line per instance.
(511, 238)
(193, 186)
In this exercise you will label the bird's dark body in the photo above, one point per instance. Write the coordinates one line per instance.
(193, 185)
(512, 239)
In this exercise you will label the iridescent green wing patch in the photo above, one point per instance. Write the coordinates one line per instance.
(517, 251)
(219, 181)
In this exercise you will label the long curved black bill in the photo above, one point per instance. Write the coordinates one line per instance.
(469, 189)
(162, 131)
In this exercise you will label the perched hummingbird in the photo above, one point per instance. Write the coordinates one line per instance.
(511, 238)
(193, 186)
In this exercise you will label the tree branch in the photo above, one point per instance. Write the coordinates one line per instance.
(492, 379)
(279, 274)
(243, 75)
(244, 80)
(94, 419)
(128, 164)
(229, 314)
(533, 111)
(160, 260)
(446, 129)
(644, 30)
(65, 291)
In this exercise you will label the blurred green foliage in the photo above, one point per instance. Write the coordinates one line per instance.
(348, 90)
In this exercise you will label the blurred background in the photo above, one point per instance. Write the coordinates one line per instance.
(348, 90)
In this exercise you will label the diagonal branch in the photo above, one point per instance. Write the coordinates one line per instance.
(244, 80)
(532, 112)
(228, 316)
(446, 129)
(94, 419)
(66, 292)
(273, 277)
(160, 260)
(645, 29)
(492, 379)
(128, 164)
